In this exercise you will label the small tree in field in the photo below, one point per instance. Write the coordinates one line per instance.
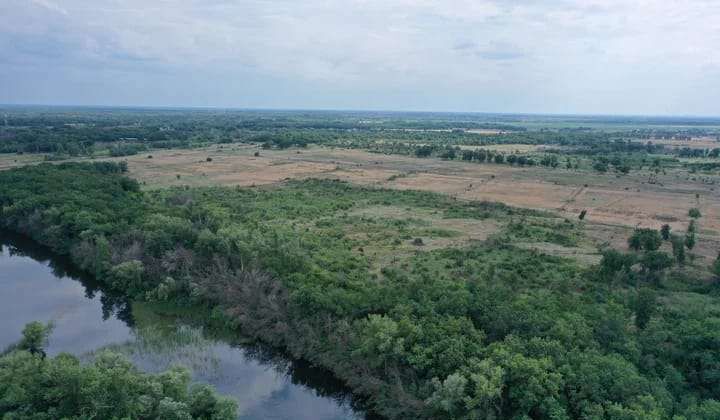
(614, 262)
(690, 241)
(665, 232)
(678, 247)
(716, 266)
(582, 214)
(694, 213)
(647, 239)
(654, 263)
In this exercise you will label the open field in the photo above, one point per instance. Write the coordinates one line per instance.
(694, 143)
(616, 203)
(629, 200)
(8, 161)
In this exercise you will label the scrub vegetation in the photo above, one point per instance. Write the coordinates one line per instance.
(429, 306)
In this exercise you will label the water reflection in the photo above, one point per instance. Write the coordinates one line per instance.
(35, 285)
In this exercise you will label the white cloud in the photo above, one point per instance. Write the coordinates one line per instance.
(555, 55)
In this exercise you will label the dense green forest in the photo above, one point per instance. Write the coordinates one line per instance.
(480, 331)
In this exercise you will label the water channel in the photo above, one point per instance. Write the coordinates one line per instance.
(36, 285)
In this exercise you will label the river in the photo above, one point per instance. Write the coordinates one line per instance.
(35, 285)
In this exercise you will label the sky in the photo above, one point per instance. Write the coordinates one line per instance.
(650, 57)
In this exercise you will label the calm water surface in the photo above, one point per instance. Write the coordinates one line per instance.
(37, 286)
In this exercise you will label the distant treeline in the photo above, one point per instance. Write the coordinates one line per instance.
(74, 131)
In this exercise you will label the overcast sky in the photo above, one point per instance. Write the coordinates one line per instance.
(541, 56)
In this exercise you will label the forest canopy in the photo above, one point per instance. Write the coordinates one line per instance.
(485, 330)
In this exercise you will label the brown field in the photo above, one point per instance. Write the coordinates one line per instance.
(615, 205)
(694, 143)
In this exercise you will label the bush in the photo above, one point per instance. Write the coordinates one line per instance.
(665, 232)
(694, 213)
(647, 239)
(35, 337)
(127, 277)
(614, 262)
(678, 246)
(654, 263)
(690, 240)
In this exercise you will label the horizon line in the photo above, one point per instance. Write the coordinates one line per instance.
(362, 110)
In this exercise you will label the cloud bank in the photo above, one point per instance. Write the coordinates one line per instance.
(545, 56)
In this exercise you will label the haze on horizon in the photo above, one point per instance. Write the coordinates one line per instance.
(654, 57)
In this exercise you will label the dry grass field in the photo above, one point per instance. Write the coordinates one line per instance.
(615, 204)
(8, 161)
(694, 143)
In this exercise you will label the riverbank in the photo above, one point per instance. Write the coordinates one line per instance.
(36, 284)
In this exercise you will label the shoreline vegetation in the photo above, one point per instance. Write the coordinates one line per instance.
(485, 329)
(35, 386)
(178, 335)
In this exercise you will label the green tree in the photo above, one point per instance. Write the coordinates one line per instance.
(694, 213)
(635, 242)
(645, 307)
(665, 232)
(35, 337)
(614, 262)
(600, 166)
(708, 409)
(690, 240)
(109, 387)
(678, 249)
(654, 263)
(448, 398)
(647, 239)
(127, 276)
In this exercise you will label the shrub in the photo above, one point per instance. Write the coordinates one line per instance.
(678, 246)
(614, 262)
(690, 240)
(665, 232)
(647, 239)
